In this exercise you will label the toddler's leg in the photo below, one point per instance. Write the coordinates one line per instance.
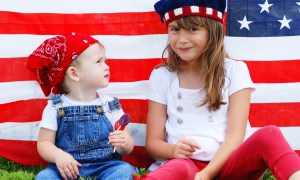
(266, 148)
(115, 169)
(51, 172)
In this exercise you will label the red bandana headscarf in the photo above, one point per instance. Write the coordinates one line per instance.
(50, 60)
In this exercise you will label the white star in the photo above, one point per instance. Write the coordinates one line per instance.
(245, 23)
(285, 22)
(265, 7)
(298, 4)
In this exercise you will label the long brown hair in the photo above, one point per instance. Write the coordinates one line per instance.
(211, 61)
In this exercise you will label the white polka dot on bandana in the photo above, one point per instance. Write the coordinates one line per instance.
(74, 56)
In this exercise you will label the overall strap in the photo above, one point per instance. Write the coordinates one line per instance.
(109, 106)
(114, 104)
(56, 99)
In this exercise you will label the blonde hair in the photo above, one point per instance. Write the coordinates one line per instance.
(211, 61)
(63, 85)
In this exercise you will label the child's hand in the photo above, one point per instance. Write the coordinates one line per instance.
(67, 165)
(184, 148)
(119, 139)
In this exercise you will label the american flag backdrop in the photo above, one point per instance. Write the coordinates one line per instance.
(263, 33)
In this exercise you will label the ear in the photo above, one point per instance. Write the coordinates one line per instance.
(71, 72)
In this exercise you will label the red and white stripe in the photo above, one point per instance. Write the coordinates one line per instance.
(134, 39)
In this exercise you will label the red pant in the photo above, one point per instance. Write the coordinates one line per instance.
(266, 148)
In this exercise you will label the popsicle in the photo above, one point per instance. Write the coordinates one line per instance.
(121, 124)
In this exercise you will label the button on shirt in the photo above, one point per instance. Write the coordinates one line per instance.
(185, 118)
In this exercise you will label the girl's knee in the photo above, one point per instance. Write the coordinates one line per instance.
(174, 169)
(270, 131)
(185, 163)
(267, 134)
(182, 165)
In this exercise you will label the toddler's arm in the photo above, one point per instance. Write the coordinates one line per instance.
(122, 140)
(66, 164)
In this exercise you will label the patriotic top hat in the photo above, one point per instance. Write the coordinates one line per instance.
(170, 10)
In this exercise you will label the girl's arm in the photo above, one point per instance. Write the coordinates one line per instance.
(155, 137)
(239, 105)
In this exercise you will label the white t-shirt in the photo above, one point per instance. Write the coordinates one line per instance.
(49, 118)
(187, 120)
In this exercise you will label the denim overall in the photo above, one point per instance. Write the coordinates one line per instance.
(83, 132)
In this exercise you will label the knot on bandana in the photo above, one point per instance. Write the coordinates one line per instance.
(51, 59)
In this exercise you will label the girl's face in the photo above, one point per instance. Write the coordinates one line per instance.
(188, 44)
(92, 68)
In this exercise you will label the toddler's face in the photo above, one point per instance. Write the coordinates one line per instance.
(92, 68)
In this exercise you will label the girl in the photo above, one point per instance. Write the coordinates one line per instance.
(199, 103)
(77, 123)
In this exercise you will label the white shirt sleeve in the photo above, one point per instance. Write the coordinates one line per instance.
(158, 85)
(49, 117)
(239, 77)
(114, 116)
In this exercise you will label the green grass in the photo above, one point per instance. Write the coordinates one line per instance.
(268, 176)
(13, 171)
